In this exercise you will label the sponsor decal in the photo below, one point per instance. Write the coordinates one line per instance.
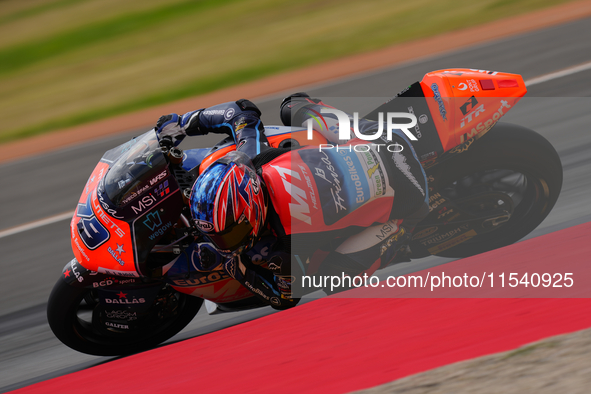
(121, 315)
(160, 231)
(158, 178)
(162, 189)
(300, 209)
(117, 325)
(214, 112)
(127, 146)
(128, 274)
(469, 84)
(103, 283)
(116, 254)
(386, 229)
(142, 204)
(212, 277)
(122, 299)
(434, 197)
(135, 194)
(400, 161)
(360, 190)
(92, 232)
(375, 174)
(430, 155)
(423, 119)
(284, 284)
(125, 301)
(310, 187)
(468, 105)
(393, 238)
(473, 85)
(463, 147)
(417, 128)
(424, 233)
(444, 212)
(445, 236)
(105, 218)
(256, 291)
(485, 126)
(275, 263)
(335, 190)
(77, 274)
(81, 249)
(105, 206)
(484, 71)
(458, 73)
(229, 113)
(153, 220)
(452, 242)
(239, 124)
(436, 203)
(437, 97)
(204, 225)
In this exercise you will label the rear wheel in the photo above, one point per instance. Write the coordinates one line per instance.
(512, 160)
(80, 322)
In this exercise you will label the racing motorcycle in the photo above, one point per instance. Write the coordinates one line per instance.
(134, 281)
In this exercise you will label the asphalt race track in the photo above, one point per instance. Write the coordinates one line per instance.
(48, 185)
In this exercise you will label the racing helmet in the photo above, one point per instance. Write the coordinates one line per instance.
(228, 204)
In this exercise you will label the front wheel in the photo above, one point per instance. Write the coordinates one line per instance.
(514, 161)
(77, 318)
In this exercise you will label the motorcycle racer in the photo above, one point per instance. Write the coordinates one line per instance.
(357, 204)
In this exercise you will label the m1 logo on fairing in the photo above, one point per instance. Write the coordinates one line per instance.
(300, 209)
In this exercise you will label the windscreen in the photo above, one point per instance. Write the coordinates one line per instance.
(136, 170)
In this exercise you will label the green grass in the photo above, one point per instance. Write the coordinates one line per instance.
(67, 62)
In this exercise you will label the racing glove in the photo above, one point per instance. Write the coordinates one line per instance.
(176, 127)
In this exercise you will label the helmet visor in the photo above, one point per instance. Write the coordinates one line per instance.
(232, 238)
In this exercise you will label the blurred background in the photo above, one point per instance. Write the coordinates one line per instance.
(67, 62)
(70, 62)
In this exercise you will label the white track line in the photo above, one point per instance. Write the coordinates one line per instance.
(68, 215)
(558, 74)
(36, 224)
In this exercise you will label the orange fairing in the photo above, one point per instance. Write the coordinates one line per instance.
(112, 252)
(466, 103)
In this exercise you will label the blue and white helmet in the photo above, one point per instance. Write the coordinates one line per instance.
(228, 204)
